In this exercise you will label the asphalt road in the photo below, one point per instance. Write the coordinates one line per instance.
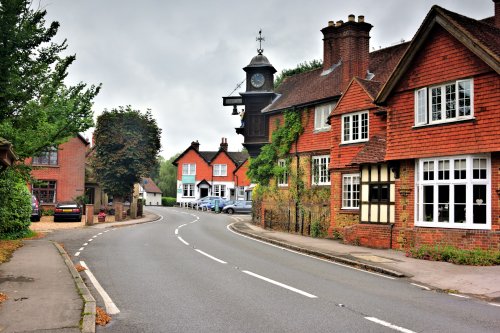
(189, 273)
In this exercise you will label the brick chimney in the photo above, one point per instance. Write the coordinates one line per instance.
(195, 145)
(223, 144)
(347, 42)
(497, 13)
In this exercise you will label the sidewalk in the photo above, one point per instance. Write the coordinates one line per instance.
(477, 281)
(41, 290)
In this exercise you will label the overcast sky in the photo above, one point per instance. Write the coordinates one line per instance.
(178, 58)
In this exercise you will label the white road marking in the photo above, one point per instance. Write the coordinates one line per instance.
(457, 295)
(90, 240)
(211, 257)
(182, 240)
(387, 324)
(85, 244)
(494, 304)
(77, 254)
(310, 256)
(420, 286)
(94, 236)
(81, 249)
(182, 225)
(279, 284)
(106, 230)
(100, 233)
(111, 308)
(176, 231)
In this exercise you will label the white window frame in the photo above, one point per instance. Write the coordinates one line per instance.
(351, 195)
(220, 170)
(424, 103)
(321, 113)
(219, 190)
(189, 169)
(189, 189)
(468, 181)
(355, 120)
(283, 179)
(241, 192)
(319, 170)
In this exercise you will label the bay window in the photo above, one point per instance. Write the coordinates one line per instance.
(355, 127)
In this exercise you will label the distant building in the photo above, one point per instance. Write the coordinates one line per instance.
(149, 192)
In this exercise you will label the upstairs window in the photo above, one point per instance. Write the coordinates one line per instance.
(47, 157)
(320, 174)
(444, 103)
(321, 113)
(189, 169)
(220, 169)
(355, 127)
(283, 178)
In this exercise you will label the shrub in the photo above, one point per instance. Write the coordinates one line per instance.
(448, 253)
(48, 212)
(317, 230)
(15, 205)
(168, 201)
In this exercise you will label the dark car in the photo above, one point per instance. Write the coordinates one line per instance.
(67, 210)
(36, 212)
(238, 207)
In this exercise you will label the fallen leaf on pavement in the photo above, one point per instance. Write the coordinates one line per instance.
(3, 298)
(101, 317)
(79, 268)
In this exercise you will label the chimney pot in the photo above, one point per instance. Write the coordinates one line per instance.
(350, 18)
(361, 18)
(339, 23)
(331, 23)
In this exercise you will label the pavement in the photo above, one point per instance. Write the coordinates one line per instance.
(40, 279)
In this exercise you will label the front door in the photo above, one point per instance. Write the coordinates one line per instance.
(203, 192)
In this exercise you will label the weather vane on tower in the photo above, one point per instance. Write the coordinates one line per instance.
(260, 39)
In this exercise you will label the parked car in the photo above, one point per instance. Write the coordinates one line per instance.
(68, 210)
(238, 207)
(201, 201)
(36, 211)
(211, 204)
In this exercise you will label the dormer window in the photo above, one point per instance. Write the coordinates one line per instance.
(355, 127)
(321, 113)
(444, 103)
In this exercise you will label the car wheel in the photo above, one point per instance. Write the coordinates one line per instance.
(230, 210)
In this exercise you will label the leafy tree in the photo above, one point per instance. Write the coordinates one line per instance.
(127, 143)
(15, 205)
(301, 68)
(37, 110)
(167, 179)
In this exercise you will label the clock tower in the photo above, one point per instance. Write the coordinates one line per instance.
(259, 94)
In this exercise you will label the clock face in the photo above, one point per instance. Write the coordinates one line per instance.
(257, 80)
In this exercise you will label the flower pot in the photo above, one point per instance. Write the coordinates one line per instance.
(101, 219)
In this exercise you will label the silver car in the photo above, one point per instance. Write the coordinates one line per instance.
(238, 207)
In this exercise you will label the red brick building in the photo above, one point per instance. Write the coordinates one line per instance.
(211, 173)
(60, 172)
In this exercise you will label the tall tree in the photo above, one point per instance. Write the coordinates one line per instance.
(127, 143)
(167, 180)
(37, 110)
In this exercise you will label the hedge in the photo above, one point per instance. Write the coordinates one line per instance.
(168, 201)
(15, 205)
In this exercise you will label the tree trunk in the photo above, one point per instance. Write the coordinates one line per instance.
(118, 206)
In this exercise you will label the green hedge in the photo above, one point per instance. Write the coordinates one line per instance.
(15, 205)
(168, 201)
(477, 257)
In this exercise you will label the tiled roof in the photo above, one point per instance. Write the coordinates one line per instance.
(149, 186)
(237, 156)
(309, 87)
(372, 152)
(484, 32)
(371, 87)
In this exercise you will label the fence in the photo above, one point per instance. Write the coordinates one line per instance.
(286, 217)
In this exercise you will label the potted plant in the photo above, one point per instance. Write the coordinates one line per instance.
(101, 217)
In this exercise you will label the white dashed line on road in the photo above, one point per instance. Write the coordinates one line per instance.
(420, 286)
(282, 285)
(182, 240)
(387, 324)
(77, 254)
(211, 257)
(81, 249)
(458, 295)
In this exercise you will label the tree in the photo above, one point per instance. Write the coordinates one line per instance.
(127, 143)
(37, 110)
(167, 179)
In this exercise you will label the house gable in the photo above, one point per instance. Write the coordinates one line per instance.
(442, 59)
(191, 156)
(223, 158)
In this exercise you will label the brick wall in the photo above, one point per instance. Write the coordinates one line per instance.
(240, 175)
(203, 170)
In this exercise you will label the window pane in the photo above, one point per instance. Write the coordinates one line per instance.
(421, 106)
(443, 203)
(464, 98)
(364, 125)
(355, 127)
(347, 131)
(460, 203)
(444, 169)
(460, 169)
(450, 101)
(479, 204)
(436, 103)
(428, 170)
(479, 168)
(428, 203)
